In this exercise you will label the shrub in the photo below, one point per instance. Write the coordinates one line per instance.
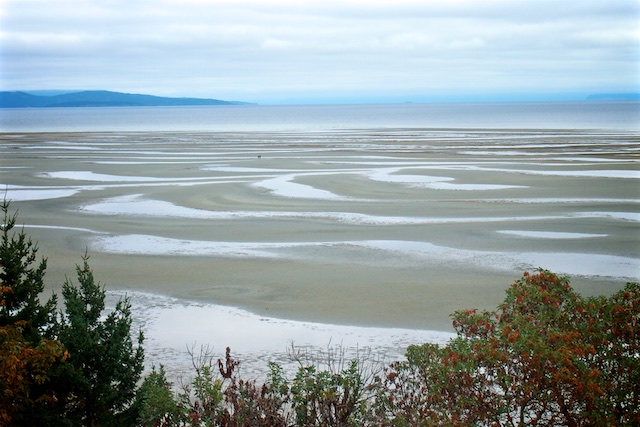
(155, 404)
(545, 357)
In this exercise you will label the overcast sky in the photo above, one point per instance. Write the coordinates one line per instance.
(302, 51)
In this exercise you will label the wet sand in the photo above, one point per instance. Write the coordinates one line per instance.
(387, 228)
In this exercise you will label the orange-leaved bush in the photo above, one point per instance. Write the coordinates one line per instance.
(545, 357)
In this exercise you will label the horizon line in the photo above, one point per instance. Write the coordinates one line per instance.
(362, 100)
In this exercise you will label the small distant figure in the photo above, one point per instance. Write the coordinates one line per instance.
(259, 156)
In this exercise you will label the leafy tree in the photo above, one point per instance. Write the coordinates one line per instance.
(155, 403)
(545, 357)
(22, 282)
(99, 381)
(612, 327)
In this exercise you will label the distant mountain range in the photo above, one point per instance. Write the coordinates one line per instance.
(100, 98)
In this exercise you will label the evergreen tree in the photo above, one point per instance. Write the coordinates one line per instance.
(22, 282)
(27, 352)
(156, 404)
(99, 380)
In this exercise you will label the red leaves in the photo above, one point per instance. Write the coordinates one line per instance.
(21, 365)
(545, 354)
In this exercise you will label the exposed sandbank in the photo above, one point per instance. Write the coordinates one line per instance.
(387, 229)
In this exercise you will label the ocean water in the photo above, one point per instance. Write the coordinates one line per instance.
(615, 115)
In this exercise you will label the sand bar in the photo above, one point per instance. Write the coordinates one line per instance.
(385, 229)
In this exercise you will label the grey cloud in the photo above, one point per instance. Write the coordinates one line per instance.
(233, 49)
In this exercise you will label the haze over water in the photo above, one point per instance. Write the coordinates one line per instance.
(538, 115)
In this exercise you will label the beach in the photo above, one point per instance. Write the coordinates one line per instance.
(365, 228)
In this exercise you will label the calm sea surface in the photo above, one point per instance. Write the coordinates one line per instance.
(624, 116)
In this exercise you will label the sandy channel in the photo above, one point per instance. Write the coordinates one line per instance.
(392, 229)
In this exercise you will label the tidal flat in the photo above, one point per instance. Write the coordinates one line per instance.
(387, 229)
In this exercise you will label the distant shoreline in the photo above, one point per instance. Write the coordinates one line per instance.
(100, 98)
(104, 98)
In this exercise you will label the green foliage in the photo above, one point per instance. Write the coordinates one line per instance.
(200, 399)
(85, 369)
(27, 353)
(220, 398)
(313, 398)
(322, 398)
(208, 394)
(22, 282)
(99, 381)
(155, 403)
